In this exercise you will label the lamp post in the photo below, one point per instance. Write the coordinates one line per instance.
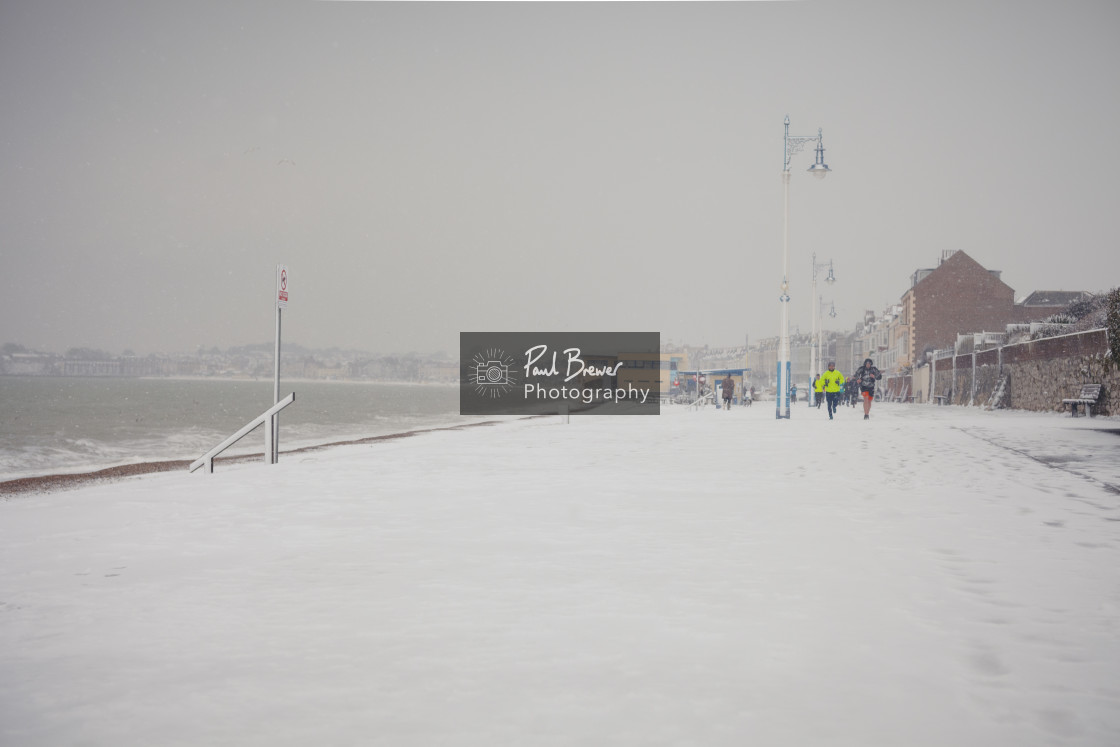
(814, 352)
(791, 146)
(820, 326)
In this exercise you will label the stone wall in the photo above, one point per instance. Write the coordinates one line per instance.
(1039, 373)
(896, 386)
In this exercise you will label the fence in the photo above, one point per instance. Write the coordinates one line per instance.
(1031, 375)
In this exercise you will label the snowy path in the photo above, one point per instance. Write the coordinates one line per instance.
(933, 576)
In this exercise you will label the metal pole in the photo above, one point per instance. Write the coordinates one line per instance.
(953, 389)
(813, 355)
(819, 169)
(932, 377)
(275, 422)
(783, 348)
(820, 334)
(972, 391)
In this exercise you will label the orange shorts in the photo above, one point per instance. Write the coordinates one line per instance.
(868, 394)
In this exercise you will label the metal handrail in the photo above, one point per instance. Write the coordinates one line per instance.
(709, 396)
(207, 459)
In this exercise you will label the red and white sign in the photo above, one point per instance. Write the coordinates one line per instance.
(282, 286)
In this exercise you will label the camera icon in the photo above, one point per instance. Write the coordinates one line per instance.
(492, 372)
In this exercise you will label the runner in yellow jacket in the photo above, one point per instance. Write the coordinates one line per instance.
(833, 386)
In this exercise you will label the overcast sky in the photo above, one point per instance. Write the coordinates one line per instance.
(425, 169)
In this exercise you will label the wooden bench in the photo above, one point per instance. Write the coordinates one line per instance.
(944, 396)
(1088, 397)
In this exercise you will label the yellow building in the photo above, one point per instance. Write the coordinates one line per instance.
(655, 371)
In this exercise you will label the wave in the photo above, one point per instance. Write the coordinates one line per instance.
(60, 455)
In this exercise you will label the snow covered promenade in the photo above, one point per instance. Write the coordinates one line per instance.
(933, 576)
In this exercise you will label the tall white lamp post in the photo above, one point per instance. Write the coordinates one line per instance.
(820, 326)
(815, 362)
(792, 145)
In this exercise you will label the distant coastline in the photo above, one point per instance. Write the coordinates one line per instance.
(299, 380)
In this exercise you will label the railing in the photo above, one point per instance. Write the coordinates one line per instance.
(207, 459)
(703, 400)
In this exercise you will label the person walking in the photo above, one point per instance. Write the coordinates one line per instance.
(833, 387)
(728, 387)
(818, 389)
(866, 376)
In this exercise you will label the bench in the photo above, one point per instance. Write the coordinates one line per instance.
(944, 396)
(1088, 397)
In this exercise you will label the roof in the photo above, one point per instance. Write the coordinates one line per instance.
(1054, 298)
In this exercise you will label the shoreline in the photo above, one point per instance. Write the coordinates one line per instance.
(71, 481)
(252, 379)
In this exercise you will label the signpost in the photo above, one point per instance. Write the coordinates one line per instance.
(282, 286)
(281, 304)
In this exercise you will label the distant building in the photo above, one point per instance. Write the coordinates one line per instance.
(960, 296)
(27, 364)
(1041, 304)
(72, 367)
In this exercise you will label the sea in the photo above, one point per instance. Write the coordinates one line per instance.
(64, 425)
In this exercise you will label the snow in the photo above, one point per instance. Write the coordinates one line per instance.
(931, 576)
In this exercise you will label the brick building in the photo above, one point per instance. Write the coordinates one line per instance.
(1041, 304)
(960, 296)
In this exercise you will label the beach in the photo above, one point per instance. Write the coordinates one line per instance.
(72, 426)
(931, 576)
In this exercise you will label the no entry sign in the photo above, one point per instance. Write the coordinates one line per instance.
(282, 286)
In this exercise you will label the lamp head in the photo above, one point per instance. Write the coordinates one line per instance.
(820, 168)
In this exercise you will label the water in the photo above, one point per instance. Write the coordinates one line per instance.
(54, 425)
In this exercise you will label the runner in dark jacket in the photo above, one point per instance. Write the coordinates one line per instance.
(866, 376)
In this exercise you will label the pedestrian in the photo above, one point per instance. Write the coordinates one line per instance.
(818, 390)
(833, 387)
(866, 375)
(793, 393)
(728, 387)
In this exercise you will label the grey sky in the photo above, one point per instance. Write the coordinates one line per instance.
(429, 168)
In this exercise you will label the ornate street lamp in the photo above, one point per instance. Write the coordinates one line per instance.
(820, 326)
(816, 363)
(791, 146)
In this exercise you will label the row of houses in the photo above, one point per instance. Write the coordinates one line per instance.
(253, 364)
(958, 296)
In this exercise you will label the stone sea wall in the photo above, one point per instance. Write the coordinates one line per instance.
(1037, 374)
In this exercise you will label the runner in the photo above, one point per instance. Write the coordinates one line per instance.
(833, 383)
(866, 376)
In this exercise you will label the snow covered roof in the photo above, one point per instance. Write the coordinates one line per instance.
(1054, 298)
